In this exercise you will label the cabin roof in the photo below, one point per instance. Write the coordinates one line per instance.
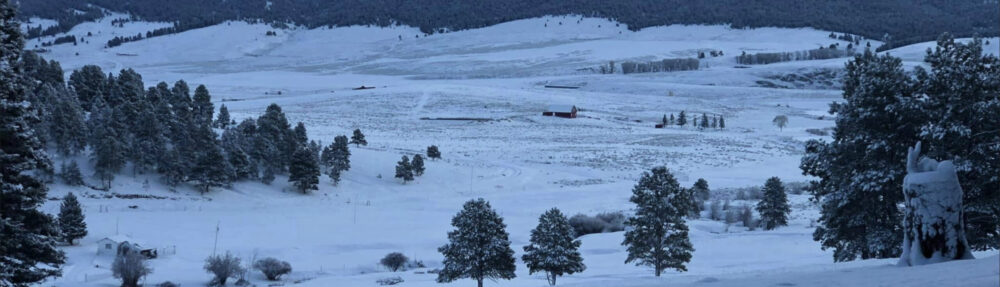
(561, 108)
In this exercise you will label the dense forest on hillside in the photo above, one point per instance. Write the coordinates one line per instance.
(904, 21)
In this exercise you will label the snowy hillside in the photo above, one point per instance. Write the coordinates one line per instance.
(522, 162)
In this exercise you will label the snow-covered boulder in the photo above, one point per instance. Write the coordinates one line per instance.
(933, 223)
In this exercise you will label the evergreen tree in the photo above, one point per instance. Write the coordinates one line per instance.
(148, 140)
(701, 190)
(108, 151)
(299, 134)
(715, 122)
(337, 158)
(89, 83)
(303, 171)
(704, 121)
(272, 135)
(722, 122)
(358, 139)
(66, 124)
(658, 235)
(664, 121)
(553, 249)
(28, 252)
(404, 170)
(433, 152)
(860, 172)
(202, 107)
(774, 208)
(672, 119)
(70, 174)
(479, 247)
(236, 141)
(962, 104)
(682, 119)
(210, 168)
(223, 120)
(417, 165)
(71, 224)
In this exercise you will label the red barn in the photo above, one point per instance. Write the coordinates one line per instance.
(562, 111)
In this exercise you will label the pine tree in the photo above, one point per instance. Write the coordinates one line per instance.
(715, 122)
(202, 107)
(89, 83)
(433, 152)
(223, 120)
(70, 174)
(722, 122)
(404, 170)
(107, 149)
(28, 252)
(553, 249)
(962, 104)
(672, 120)
(148, 140)
(303, 171)
(358, 139)
(682, 119)
(479, 247)
(66, 120)
(71, 224)
(417, 165)
(658, 236)
(860, 172)
(236, 141)
(704, 121)
(272, 136)
(337, 158)
(664, 121)
(701, 190)
(774, 208)
(299, 134)
(210, 168)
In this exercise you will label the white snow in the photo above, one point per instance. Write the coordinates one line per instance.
(522, 162)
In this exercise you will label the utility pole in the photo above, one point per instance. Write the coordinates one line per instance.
(216, 245)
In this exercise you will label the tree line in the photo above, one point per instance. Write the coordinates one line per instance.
(908, 22)
(665, 65)
(814, 54)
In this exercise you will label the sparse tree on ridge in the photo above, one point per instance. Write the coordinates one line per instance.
(780, 121)
(553, 248)
(358, 139)
(658, 236)
(417, 165)
(71, 223)
(479, 247)
(433, 152)
(404, 170)
(774, 208)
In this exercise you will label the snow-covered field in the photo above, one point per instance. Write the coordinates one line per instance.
(520, 161)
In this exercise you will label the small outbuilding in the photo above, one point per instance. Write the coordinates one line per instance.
(562, 111)
(111, 245)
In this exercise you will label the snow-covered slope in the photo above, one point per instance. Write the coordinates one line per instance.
(520, 161)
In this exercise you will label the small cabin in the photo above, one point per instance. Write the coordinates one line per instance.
(110, 245)
(562, 111)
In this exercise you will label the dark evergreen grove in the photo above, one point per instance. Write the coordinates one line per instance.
(909, 21)
(28, 252)
(951, 108)
(658, 235)
(479, 247)
(774, 208)
(553, 247)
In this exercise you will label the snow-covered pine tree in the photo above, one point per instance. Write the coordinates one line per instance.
(722, 122)
(358, 139)
(66, 121)
(860, 179)
(433, 152)
(671, 120)
(28, 252)
(223, 119)
(89, 83)
(704, 121)
(202, 108)
(303, 170)
(404, 170)
(479, 247)
(774, 208)
(148, 140)
(682, 119)
(715, 122)
(71, 224)
(107, 147)
(701, 190)
(664, 121)
(962, 104)
(299, 134)
(417, 165)
(657, 235)
(70, 174)
(210, 168)
(337, 158)
(272, 133)
(236, 142)
(553, 248)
